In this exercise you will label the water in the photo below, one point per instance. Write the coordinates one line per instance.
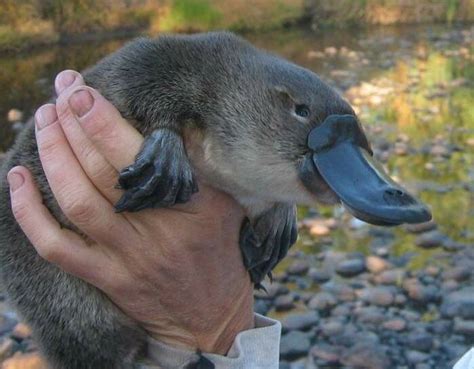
(413, 85)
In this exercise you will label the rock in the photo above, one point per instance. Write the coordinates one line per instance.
(370, 315)
(350, 268)
(331, 51)
(14, 115)
(420, 293)
(6, 324)
(294, 344)
(381, 296)
(430, 240)
(459, 273)
(459, 304)
(261, 307)
(396, 325)
(376, 264)
(341, 291)
(298, 267)
(415, 357)
(284, 302)
(464, 327)
(420, 341)
(332, 328)
(326, 353)
(25, 361)
(319, 275)
(300, 322)
(322, 301)
(7, 346)
(319, 229)
(21, 331)
(315, 54)
(366, 356)
(421, 227)
(341, 310)
(394, 276)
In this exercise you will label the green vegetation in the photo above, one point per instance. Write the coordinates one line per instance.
(185, 15)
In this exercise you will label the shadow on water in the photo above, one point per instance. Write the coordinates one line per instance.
(412, 88)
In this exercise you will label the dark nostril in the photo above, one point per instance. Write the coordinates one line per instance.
(394, 192)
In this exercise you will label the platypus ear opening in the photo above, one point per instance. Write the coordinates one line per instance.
(285, 95)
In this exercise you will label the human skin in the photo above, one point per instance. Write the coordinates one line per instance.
(178, 272)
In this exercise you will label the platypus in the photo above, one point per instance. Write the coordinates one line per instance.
(264, 130)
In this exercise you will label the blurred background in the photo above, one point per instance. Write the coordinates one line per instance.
(349, 295)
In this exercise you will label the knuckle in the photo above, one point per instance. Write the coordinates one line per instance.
(20, 210)
(50, 251)
(79, 210)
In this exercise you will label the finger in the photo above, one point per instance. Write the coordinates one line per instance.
(100, 172)
(114, 137)
(55, 244)
(67, 79)
(80, 201)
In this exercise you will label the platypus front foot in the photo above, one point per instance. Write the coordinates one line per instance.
(161, 175)
(265, 240)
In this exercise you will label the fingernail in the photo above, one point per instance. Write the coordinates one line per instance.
(64, 80)
(81, 102)
(45, 115)
(15, 180)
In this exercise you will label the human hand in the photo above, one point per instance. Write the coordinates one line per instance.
(178, 272)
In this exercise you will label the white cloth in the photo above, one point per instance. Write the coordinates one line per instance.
(257, 348)
(467, 361)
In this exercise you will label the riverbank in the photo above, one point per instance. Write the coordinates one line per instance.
(29, 25)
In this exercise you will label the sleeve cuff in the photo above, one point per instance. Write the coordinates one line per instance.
(256, 348)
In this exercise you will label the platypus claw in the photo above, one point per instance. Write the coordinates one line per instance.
(160, 177)
(265, 242)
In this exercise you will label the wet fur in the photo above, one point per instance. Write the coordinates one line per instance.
(223, 98)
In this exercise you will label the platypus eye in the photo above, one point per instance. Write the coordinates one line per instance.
(302, 111)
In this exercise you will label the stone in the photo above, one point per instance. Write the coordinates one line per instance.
(381, 296)
(420, 341)
(394, 276)
(376, 264)
(459, 304)
(458, 273)
(6, 324)
(322, 301)
(315, 54)
(421, 227)
(298, 267)
(272, 290)
(319, 275)
(326, 353)
(14, 115)
(464, 327)
(430, 240)
(331, 51)
(396, 325)
(370, 315)
(341, 291)
(421, 293)
(350, 268)
(21, 331)
(366, 356)
(332, 328)
(300, 322)
(284, 302)
(25, 361)
(319, 230)
(261, 307)
(294, 344)
(415, 357)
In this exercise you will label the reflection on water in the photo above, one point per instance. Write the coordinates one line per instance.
(412, 88)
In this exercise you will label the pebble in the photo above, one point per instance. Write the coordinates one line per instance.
(322, 301)
(430, 239)
(300, 322)
(14, 115)
(389, 277)
(415, 357)
(284, 302)
(332, 328)
(319, 275)
(376, 264)
(396, 325)
(420, 341)
(272, 290)
(298, 267)
(381, 296)
(459, 304)
(294, 344)
(21, 331)
(458, 273)
(319, 229)
(421, 227)
(366, 356)
(350, 268)
(6, 348)
(326, 353)
(465, 327)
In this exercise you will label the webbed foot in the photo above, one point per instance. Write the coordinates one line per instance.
(161, 175)
(266, 240)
